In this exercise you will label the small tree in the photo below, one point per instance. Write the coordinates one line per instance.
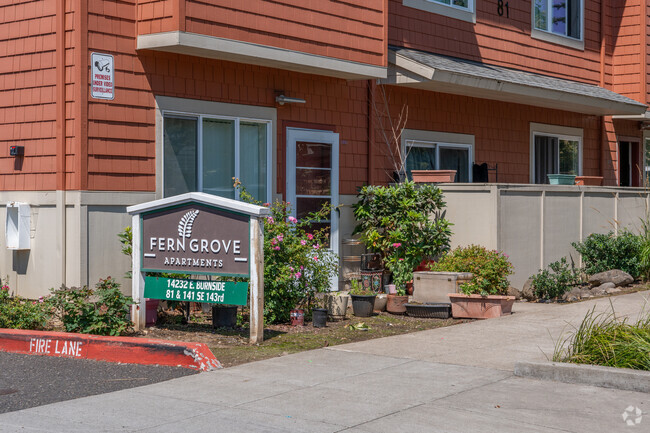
(402, 222)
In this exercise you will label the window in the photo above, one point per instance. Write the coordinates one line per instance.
(204, 153)
(421, 155)
(560, 17)
(461, 4)
(555, 154)
(458, 9)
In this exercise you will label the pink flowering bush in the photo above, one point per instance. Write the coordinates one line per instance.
(296, 265)
(19, 313)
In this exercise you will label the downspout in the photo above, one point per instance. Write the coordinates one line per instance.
(61, 135)
(371, 129)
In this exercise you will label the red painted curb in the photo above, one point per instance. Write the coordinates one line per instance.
(128, 350)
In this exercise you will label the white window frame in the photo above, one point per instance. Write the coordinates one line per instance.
(464, 14)
(559, 132)
(199, 151)
(556, 38)
(433, 139)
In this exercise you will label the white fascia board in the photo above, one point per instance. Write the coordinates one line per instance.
(263, 55)
(411, 73)
(640, 117)
(201, 198)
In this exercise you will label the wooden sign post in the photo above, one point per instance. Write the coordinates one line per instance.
(199, 234)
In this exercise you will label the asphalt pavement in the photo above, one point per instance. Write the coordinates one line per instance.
(31, 380)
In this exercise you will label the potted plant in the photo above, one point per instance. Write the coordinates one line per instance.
(337, 305)
(433, 176)
(485, 295)
(363, 300)
(402, 270)
(402, 221)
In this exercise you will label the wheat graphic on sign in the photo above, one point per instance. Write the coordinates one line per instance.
(185, 225)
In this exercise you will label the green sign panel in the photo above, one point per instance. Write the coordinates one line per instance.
(216, 292)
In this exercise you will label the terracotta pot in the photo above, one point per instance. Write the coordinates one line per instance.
(396, 304)
(480, 307)
(433, 176)
(589, 180)
(409, 288)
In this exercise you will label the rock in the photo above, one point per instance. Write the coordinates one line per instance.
(616, 276)
(527, 291)
(597, 291)
(512, 291)
(572, 295)
(613, 290)
(585, 293)
(605, 286)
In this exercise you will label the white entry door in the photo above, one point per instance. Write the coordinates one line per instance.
(313, 178)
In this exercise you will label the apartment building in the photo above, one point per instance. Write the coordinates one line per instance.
(110, 103)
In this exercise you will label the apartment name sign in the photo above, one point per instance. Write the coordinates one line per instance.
(196, 239)
(199, 234)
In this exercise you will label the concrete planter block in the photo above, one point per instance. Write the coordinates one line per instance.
(433, 287)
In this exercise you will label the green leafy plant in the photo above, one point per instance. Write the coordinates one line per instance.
(357, 289)
(297, 262)
(490, 269)
(604, 339)
(102, 311)
(603, 252)
(554, 281)
(19, 313)
(404, 223)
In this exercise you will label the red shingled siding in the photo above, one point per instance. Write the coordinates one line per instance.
(120, 147)
(501, 130)
(341, 29)
(27, 94)
(498, 40)
(626, 55)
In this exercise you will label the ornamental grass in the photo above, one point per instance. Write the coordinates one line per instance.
(606, 340)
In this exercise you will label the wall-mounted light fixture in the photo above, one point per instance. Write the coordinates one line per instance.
(287, 100)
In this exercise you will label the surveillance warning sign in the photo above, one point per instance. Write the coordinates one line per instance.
(102, 78)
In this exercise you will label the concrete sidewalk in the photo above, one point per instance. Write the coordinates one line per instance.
(456, 379)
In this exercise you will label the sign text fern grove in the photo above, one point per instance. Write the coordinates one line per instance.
(196, 239)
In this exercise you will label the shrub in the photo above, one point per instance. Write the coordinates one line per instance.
(490, 269)
(602, 339)
(403, 222)
(602, 252)
(556, 280)
(297, 264)
(19, 313)
(102, 311)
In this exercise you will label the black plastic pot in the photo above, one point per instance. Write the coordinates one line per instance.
(224, 316)
(319, 317)
(363, 305)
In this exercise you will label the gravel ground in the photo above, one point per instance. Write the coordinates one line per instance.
(31, 380)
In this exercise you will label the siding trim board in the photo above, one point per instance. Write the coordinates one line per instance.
(445, 74)
(262, 55)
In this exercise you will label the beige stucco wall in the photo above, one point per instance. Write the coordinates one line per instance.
(92, 250)
(538, 223)
(534, 224)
